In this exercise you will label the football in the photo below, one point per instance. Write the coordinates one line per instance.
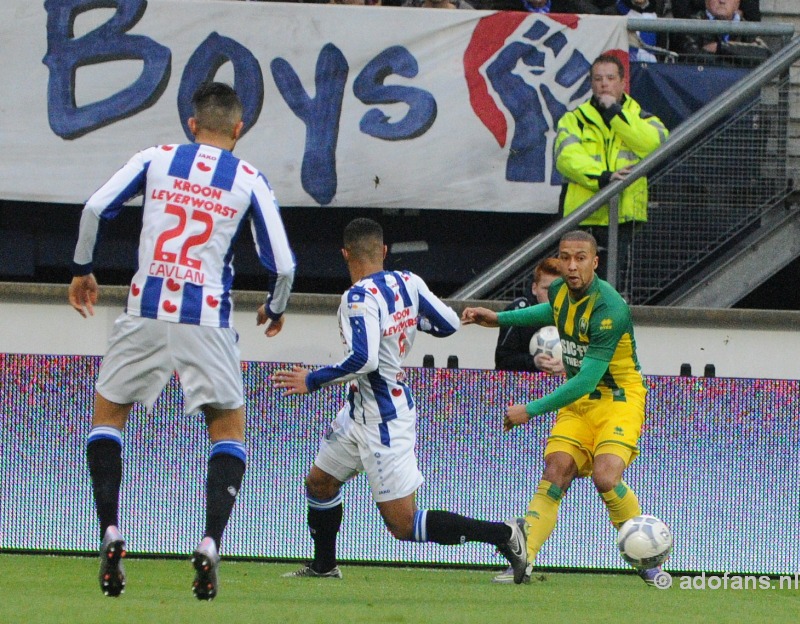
(645, 542)
(546, 341)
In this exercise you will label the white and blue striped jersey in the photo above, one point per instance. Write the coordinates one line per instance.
(378, 318)
(196, 200)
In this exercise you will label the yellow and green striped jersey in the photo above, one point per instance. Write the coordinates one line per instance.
(598, 326)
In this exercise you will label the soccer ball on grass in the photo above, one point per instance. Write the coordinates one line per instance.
(645, 542)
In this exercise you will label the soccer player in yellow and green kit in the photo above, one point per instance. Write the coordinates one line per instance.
(600, 406)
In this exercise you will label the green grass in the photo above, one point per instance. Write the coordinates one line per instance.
(38, 588)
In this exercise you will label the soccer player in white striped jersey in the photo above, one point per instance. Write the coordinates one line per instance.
(375, 430)
(197, 197)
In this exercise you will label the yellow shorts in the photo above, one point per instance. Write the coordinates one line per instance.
(594, 426)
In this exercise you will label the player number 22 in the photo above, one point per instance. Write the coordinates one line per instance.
(191, 241)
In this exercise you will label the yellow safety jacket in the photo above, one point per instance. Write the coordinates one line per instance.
(587, 151)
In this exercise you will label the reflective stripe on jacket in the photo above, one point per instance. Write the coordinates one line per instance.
(585, 148)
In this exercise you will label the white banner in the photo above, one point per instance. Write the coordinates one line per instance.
(344, 105)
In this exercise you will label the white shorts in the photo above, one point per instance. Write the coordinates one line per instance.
(384, 451)
(143, 353)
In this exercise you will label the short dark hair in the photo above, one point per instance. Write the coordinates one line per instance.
(580, 235)
(217, 107)
(363, 238)
(609, 58)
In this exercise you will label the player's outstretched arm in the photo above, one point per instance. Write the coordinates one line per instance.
(292, 381)
(479, 316)
(83, 292)
(274, 326)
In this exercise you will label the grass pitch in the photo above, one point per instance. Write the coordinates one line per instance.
(38, 588)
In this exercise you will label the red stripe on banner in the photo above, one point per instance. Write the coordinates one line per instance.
(568, 19)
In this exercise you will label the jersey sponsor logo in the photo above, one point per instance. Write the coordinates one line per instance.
(606, 324)
(196, 189)
(401, 314)
(355, 310)
(400, 327)
(194, 199)
(572, 353)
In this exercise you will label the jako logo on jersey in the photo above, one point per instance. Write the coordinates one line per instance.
(525, 63)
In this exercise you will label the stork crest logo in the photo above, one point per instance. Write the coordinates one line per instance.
(523, 73)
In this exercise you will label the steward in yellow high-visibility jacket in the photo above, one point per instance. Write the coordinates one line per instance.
(593, 142)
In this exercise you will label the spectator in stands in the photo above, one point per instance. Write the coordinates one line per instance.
(438, 4)
(640, 8)
(639, 42)
(686, 9)
(598, 143)
(722, 48)
(513, 343)
(588, 7)
(542, 6)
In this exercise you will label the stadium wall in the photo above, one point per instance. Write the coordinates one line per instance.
(739, 343)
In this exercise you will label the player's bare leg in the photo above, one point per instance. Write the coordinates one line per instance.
(620, 500)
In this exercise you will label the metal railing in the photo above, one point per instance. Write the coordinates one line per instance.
(690, 148)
